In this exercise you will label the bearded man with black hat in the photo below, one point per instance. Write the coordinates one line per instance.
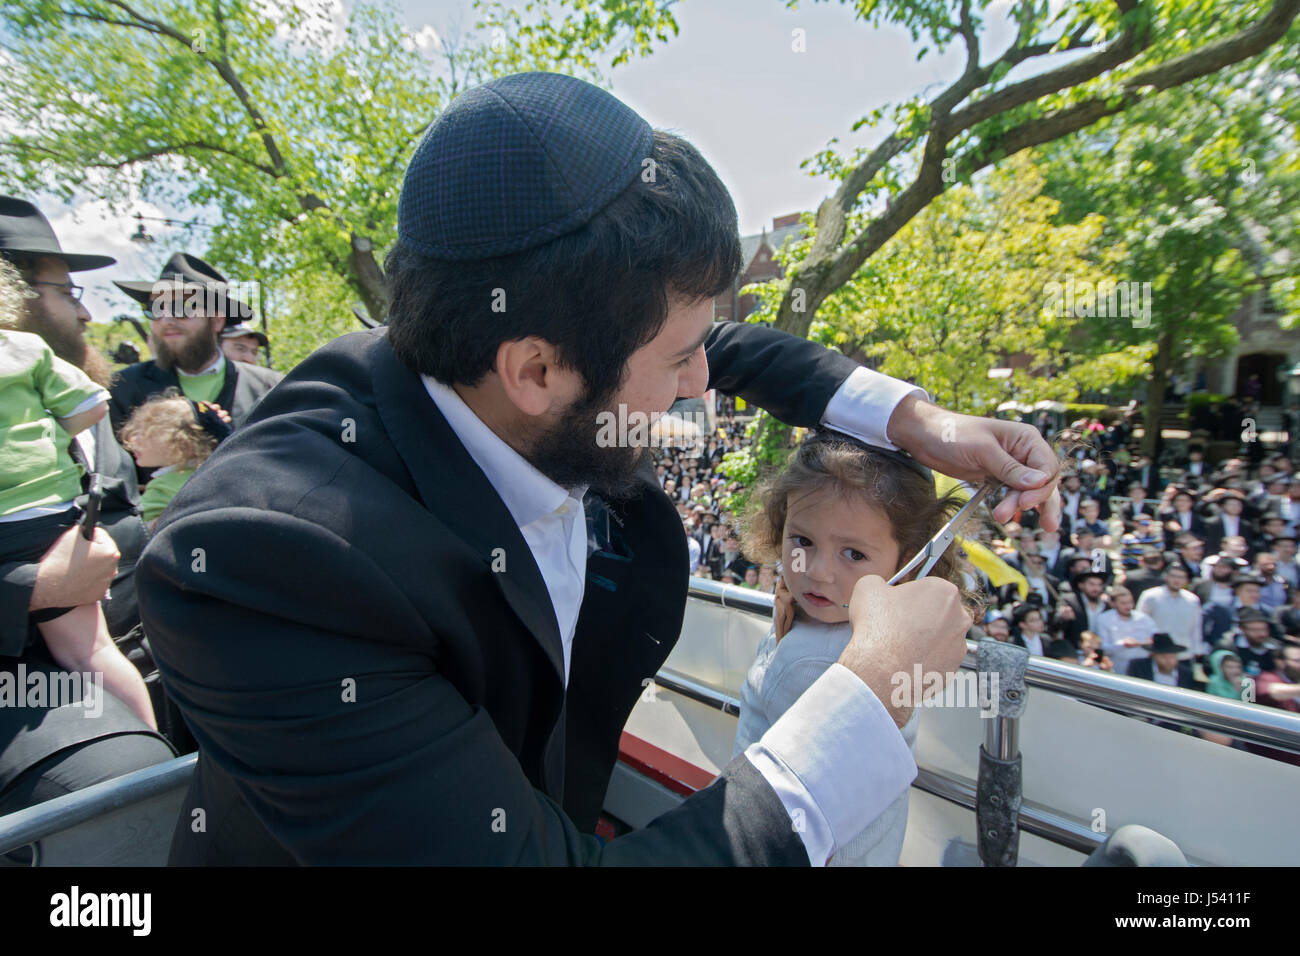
(48, 750)
(432, 594)
(189, 307)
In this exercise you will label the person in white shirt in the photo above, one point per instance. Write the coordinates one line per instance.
(1176, 611)
(1125, 632)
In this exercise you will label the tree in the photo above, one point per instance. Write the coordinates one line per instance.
(1137, 49)
(294, 124)
(1203, 195)
(966, 285)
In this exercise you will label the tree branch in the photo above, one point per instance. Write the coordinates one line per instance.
(829, 266)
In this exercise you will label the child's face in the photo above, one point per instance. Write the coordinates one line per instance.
(829, 542)
(148, 452)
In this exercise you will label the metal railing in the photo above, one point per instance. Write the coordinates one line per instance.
(1131, 696)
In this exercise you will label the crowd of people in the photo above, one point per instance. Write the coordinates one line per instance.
(1188, 579)
(1185, 575)
(71, 426)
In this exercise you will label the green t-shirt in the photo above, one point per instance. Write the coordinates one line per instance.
(36, 388)
(203, 388)
(160, 491)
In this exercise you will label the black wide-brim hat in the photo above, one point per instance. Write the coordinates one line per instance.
(24, 230)
(1164, 644)
(517, 162)
(186, 274)
(1078, 579)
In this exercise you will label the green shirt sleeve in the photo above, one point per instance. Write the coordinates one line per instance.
(158, 494)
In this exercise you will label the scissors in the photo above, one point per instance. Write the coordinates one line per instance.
(934, 549)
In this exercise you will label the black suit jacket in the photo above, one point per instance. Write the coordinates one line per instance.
(1215, 532)
(365, 687)
(1197, 528)
(1142, 667)
(243, 388)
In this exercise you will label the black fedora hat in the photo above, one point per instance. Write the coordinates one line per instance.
(187, 274)
(24, 230)
(1164, 644)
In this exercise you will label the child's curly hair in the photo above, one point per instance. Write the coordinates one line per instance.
(169, 419)
(13, 290)
(900, 490)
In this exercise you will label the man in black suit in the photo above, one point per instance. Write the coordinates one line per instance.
(377, 605)
(1163, 666)
(188, 307)
(1225, 518)
(1139, 505)
(1148, 574)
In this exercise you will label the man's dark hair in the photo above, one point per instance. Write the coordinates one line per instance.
(597, 294)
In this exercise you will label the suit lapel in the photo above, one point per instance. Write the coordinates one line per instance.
(453, 487)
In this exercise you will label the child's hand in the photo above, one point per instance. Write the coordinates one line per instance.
(782, 609)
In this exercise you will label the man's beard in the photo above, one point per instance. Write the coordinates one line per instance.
(193, 354)
(71, 346)
(567, 454)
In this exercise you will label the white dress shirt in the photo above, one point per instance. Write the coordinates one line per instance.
(550, 518)
(1178, 615)
(1112, 629)
(835, 759)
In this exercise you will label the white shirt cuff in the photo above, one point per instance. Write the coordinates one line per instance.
(836, 760)
(863, 404)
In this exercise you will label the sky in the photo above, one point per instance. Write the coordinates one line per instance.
(731, 82)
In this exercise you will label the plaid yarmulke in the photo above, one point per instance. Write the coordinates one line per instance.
(517, 162)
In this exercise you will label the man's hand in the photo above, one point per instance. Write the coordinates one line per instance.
(895, 628)
(969, 448)
(75, 571)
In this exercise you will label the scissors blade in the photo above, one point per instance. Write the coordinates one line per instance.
(935, 548)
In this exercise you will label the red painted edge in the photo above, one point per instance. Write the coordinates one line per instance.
(678, 775)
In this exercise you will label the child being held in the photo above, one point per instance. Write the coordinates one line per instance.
(175, 435)
(44, 401)
(839, 511)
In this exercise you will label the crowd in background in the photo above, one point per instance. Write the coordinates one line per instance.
(1184, 574)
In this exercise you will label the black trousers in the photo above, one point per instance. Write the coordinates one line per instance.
(52, 749)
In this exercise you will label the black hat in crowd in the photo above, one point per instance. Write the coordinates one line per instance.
(185, 275)
(1249, 614)
(1061, 650)
(240, 329)
(516, 162)
(1239, 579)
(1162, 643)
(25, 231)
(1079, 578)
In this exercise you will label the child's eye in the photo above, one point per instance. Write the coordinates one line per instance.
(801, 541)
(854, 554)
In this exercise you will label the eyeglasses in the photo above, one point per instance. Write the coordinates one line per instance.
(69, 289)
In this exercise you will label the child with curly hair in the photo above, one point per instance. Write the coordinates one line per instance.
(175, 435)
(839, 511)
